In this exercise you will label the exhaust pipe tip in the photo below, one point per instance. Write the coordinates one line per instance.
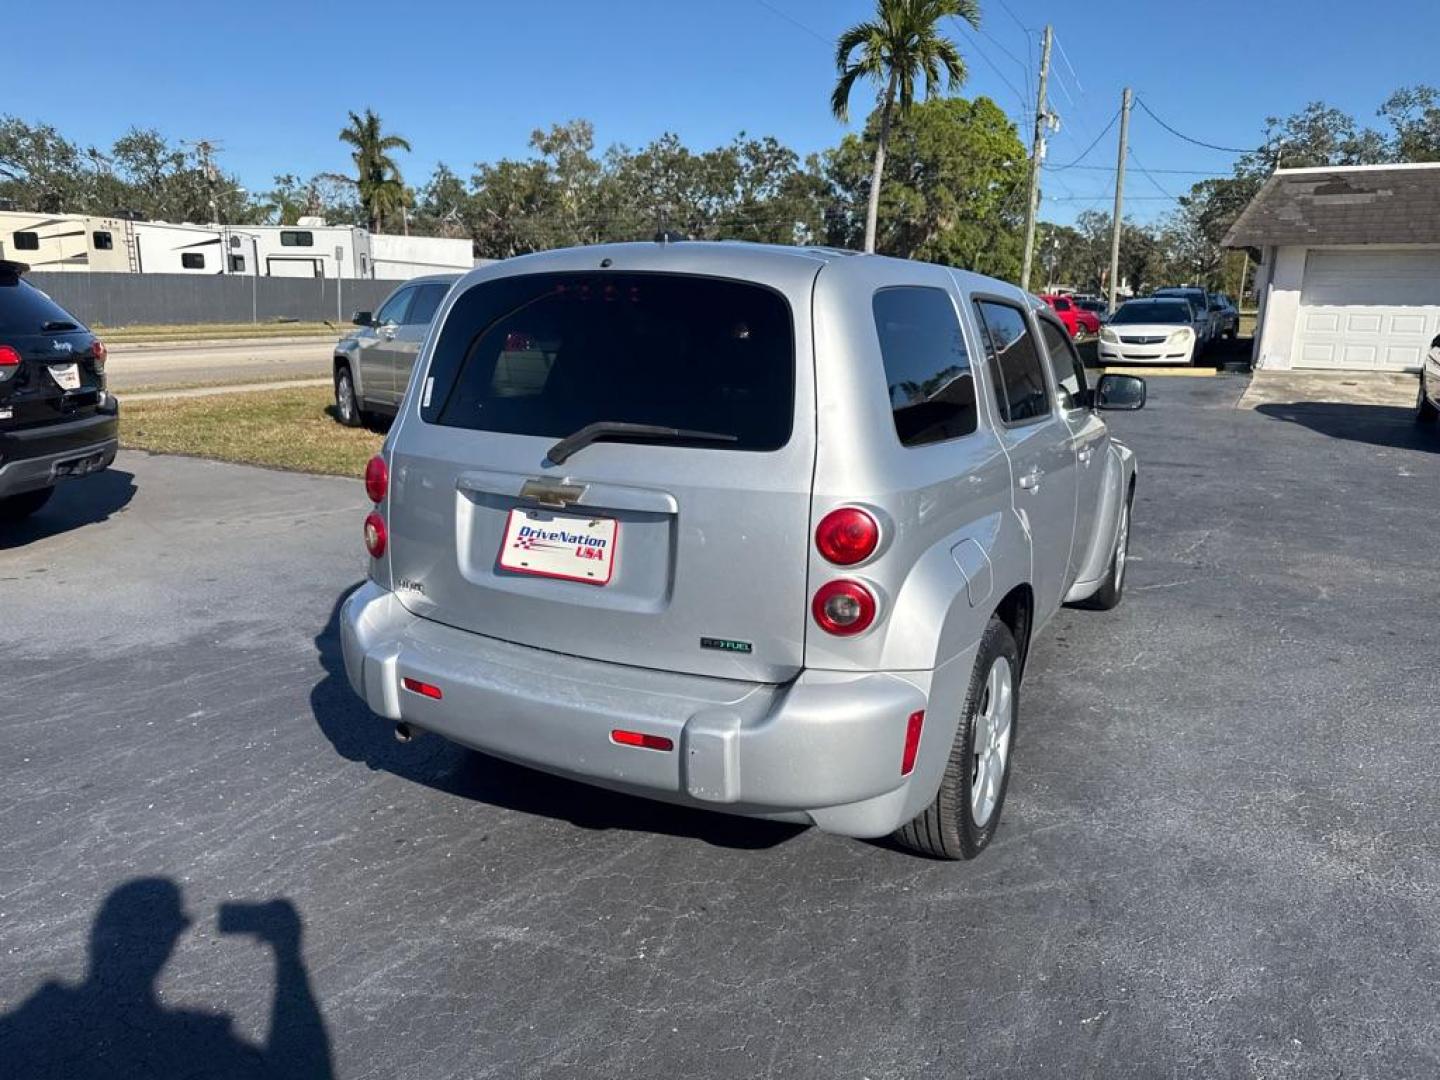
(404, 733)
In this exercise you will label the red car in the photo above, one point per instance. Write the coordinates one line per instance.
(1076, 319)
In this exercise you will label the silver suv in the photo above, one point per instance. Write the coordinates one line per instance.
(372, 366)
(766, 530)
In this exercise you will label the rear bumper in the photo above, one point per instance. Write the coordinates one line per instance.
(41, 457)
(825, 748)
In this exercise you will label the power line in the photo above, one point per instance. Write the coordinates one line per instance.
(1173, 172)
(1024, 98)
(1107, 195)
(1187, 138)
(1155, 183)
(1093, 143)
(1012, 15)
(1073, 74)
(1025, 67)
(795, 22)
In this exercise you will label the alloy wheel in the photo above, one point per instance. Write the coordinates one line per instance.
(345, 399)
(990, 748)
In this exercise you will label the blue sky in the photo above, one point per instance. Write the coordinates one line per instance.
(272, 79)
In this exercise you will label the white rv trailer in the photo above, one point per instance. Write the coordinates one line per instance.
(165, 248)
(64, 241)
(311, 249)
(399, 257)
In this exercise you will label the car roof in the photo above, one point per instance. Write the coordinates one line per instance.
(738, 259)
(425, 279)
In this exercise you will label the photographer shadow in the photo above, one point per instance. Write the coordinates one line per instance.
(359, 735)
(114, 1025)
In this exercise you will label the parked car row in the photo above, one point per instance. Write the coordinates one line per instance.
(1077, 319)
(1173, 325)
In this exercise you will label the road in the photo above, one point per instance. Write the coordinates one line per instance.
(1220, 854)
(131, 366)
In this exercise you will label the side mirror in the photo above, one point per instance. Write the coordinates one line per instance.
(1120, 392)
(363, 318)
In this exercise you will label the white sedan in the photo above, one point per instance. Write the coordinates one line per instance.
(1151, 331)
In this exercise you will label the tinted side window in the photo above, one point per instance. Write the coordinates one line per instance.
(1020, 390)
(27, 241)
(297, 239)
(237, 264)
(1065, 364)
(427, 299)
(192, 260)
(394, 309)
(103, 240)
(927, 368)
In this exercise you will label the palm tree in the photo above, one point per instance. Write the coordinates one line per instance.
(895, 49)
(382, 190)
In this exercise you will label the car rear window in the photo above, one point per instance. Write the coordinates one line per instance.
(547, 354)
(24, 309)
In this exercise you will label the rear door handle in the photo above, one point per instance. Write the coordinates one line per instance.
(1031, 480)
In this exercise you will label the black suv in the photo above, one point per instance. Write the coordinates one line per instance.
(56, 418)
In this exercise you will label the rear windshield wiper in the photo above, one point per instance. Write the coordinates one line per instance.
(56, 325)
(614, 429)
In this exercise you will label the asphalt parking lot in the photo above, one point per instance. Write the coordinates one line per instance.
(1220, 855)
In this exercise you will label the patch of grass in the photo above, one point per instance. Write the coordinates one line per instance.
(1247, 324)
(215, 331)
(282, 429)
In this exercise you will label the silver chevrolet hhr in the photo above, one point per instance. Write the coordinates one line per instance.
(761, 529)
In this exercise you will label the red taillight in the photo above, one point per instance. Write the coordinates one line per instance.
(98, 354)
(642, 740)
(913, 728)
(377, 479)
(9, 358)
(424, 689)
(847, 536)
(843, 607)
(375, 534)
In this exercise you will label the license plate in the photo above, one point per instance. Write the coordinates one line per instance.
(66, 375)
(560, 546)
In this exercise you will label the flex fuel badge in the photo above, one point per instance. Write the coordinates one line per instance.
(726, 645)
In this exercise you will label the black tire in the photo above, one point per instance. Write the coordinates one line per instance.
(347, 405)
(947, 828)
(19, 507)
(1112, 591)
(1425, 411)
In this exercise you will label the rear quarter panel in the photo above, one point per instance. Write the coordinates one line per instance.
(940, 506)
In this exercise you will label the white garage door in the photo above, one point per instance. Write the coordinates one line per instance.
(1368, 310)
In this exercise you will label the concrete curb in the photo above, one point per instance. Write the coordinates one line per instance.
(215, 391)
(205, 343)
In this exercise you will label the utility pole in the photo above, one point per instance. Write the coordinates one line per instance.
(1117, 221)
(1037, 156)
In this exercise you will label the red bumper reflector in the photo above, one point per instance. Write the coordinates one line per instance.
(640, 739)
(424, 689)
(913, 728)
